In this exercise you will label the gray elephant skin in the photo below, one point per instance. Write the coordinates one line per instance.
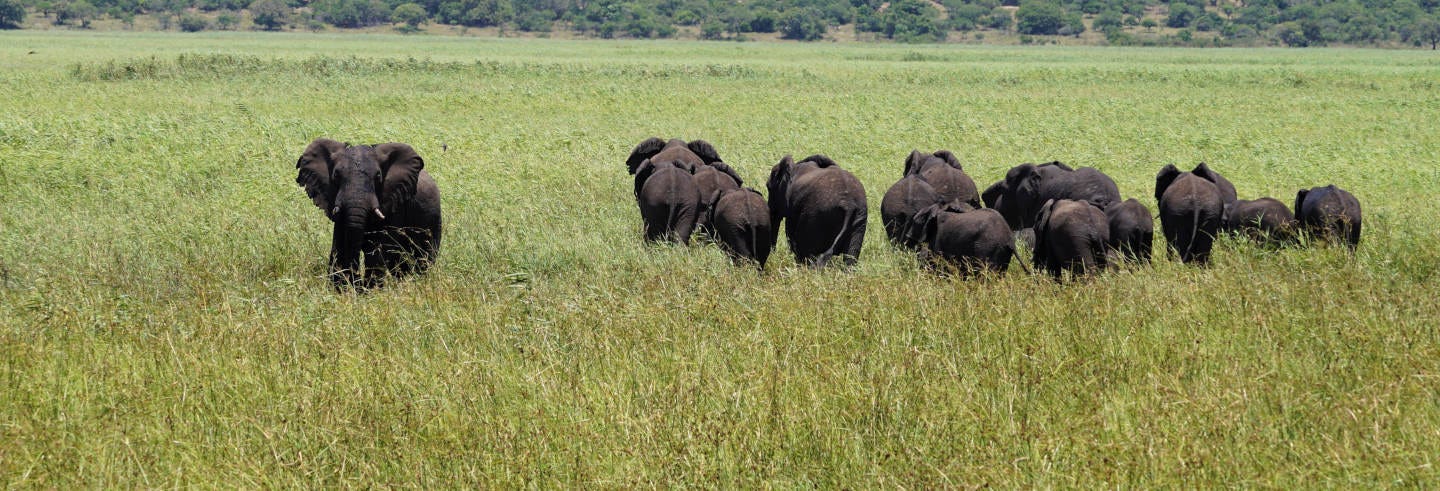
(822, 206)
(740, 220)
(1026, 187)
(1191, 209)
(384, 205)
(959, 237)
(928, 179)
(1329, 213)
(1132, 231)
(665, 188)
(901, 202)
(710, 178)
(1265, 220)
(1070, 235)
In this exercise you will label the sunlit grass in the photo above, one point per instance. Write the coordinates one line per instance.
(164, 319)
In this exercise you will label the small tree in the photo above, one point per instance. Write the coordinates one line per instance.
(1149, 24)
(79, 10)
(270, 15)
(410, 14)
(12, 14)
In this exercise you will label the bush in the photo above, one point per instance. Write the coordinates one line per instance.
(193, 23)
(227, 20)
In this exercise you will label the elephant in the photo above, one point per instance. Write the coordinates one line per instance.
(1132, 230)
(1019, 196)
(906, 197)
(958, 235)
(943, 172)
(710, 178)
(1227, 190)
(1191, 209)
(693, 154)
(1264, 220)
(668, 199)
(823, 207)
(741, 222)
(385, 206)
(1330, 213)
(1070, 235)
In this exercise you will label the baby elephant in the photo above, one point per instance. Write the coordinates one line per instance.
(961, 236)
(1330, 213)
(740, 220)
(1070, 235)
(1265, 220)
(1132, 231)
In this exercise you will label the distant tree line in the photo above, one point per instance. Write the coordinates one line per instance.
(1219, 22)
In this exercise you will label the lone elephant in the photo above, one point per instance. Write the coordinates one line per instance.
(1329, 213)
(823, 208)
(385, 206)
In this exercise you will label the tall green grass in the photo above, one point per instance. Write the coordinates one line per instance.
(165, 320)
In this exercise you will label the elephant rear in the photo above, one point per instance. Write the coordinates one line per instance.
(669, 203)
(1191, 210)
(902, 201)
(828, 217)
(973, 240)
(1265, 220)
(741, 222)
(1132, 231)
(1329, 212)
(1070, 235)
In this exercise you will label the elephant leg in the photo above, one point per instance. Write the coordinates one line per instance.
(855, 241)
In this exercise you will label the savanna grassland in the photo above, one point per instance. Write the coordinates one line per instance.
(165, 319)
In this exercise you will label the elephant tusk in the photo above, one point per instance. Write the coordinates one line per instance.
(335, 211)
(379, 215)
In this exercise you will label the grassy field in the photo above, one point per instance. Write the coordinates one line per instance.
(165, 320)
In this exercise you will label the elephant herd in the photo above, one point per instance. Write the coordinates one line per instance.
(1071, 219)
(387, 222)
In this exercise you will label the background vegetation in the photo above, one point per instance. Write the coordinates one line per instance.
(1115, 22)
(164, 319)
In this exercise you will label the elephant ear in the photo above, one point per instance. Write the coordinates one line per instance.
(919, 229)
(725, 169)
(992, 194)
(1166, 176)
(912, 163)
(950, 159)
(1058, 164)
(710, 202)
(642, 172)
(643, 151)
(778, 184)
(314, 166)
(704, 150)
(1042, 222)
(820, 160)
(1300, 201)
(401, 166)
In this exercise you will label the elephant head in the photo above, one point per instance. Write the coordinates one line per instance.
(694, 153)
(354, 185)
(1016, 196)
(1167, 175)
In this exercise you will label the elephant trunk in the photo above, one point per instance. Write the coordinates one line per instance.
(348, 240)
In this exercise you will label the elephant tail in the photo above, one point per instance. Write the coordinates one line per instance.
(1194, 235)
(842, 236)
